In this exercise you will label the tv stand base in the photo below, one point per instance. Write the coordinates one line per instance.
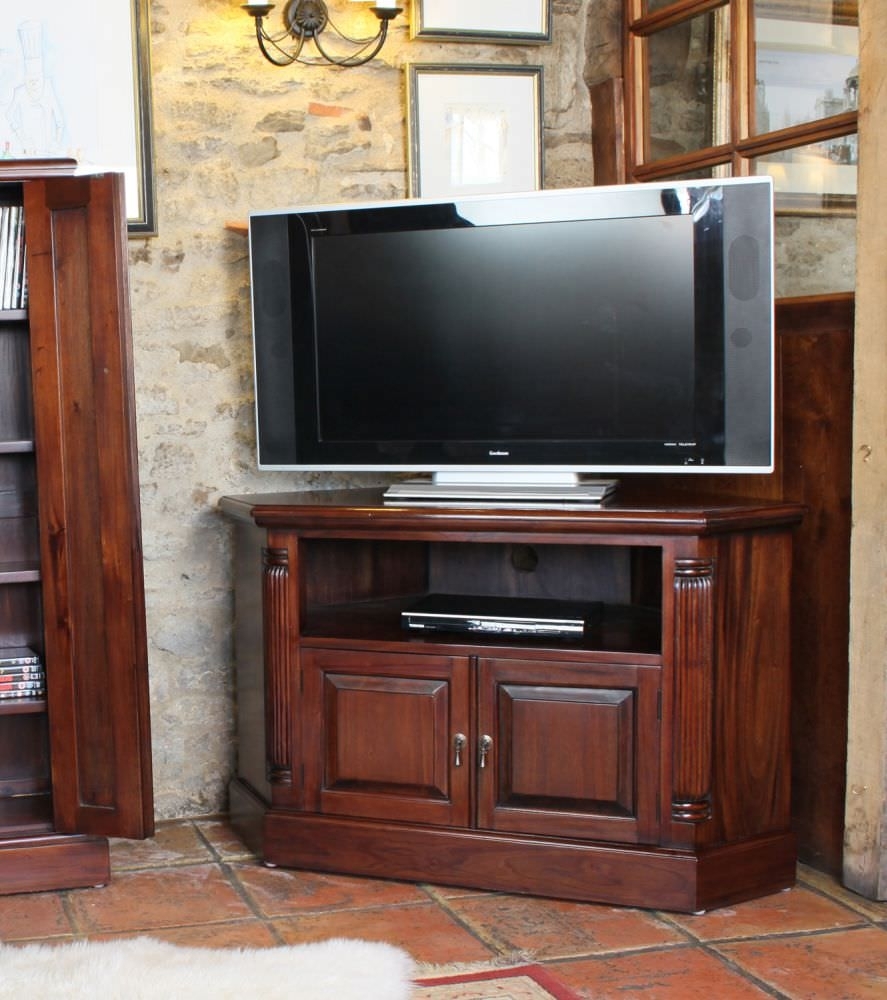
(578, 492)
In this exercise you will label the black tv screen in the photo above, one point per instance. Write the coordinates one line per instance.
(600, 330)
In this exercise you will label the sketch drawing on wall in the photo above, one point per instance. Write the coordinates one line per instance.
(77, 87)
(34, 114)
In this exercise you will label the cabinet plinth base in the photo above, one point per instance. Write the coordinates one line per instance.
(618, 874)
(57, 861)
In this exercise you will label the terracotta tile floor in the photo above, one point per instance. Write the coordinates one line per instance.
(196, 884)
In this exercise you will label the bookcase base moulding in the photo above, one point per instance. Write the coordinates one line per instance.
(644, 762)
(52, 862)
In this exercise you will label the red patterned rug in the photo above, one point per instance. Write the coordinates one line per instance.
(523, 982)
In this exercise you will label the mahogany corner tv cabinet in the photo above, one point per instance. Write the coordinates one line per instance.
(644, 761)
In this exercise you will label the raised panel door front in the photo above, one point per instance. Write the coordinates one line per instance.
(382, 736)
(569, 750)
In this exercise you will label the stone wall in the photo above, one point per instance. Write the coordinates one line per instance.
(233, 133)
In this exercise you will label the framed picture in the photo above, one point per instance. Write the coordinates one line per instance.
(80, 87)
(522, 21)
(807, 71)
(817, 179)
(474, 129)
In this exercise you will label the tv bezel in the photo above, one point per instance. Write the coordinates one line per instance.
(285, 391)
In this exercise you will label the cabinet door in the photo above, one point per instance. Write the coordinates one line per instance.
(568, 749)
(380, 736)
(88, 506)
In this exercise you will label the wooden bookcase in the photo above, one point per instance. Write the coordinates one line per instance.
(75, 765)
(646, 763)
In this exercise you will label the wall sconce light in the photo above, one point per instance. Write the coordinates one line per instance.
(306, 20)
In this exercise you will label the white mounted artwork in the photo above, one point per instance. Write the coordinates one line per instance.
(474, 129)
(77, 86)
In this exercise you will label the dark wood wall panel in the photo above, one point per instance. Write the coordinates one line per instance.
(814, 344)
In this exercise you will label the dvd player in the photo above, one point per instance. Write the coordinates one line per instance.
(505, 616)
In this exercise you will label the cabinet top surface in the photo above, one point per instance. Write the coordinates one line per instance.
(364, 510)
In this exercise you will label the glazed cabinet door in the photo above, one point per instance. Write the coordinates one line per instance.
(88, 505)
(385, 736)
(568, 749)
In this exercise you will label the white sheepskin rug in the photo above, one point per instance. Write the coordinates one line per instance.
(145, 969)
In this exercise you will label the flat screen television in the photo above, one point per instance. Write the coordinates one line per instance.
(541, 337)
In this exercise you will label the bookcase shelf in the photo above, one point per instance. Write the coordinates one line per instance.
(24, 815)
(19, 572)
(23, 706)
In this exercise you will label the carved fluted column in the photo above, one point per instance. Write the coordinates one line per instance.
(694, 612)
(278, 672)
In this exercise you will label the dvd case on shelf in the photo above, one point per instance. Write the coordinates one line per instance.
(13, 280)
(22, 674)
(19, 656)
